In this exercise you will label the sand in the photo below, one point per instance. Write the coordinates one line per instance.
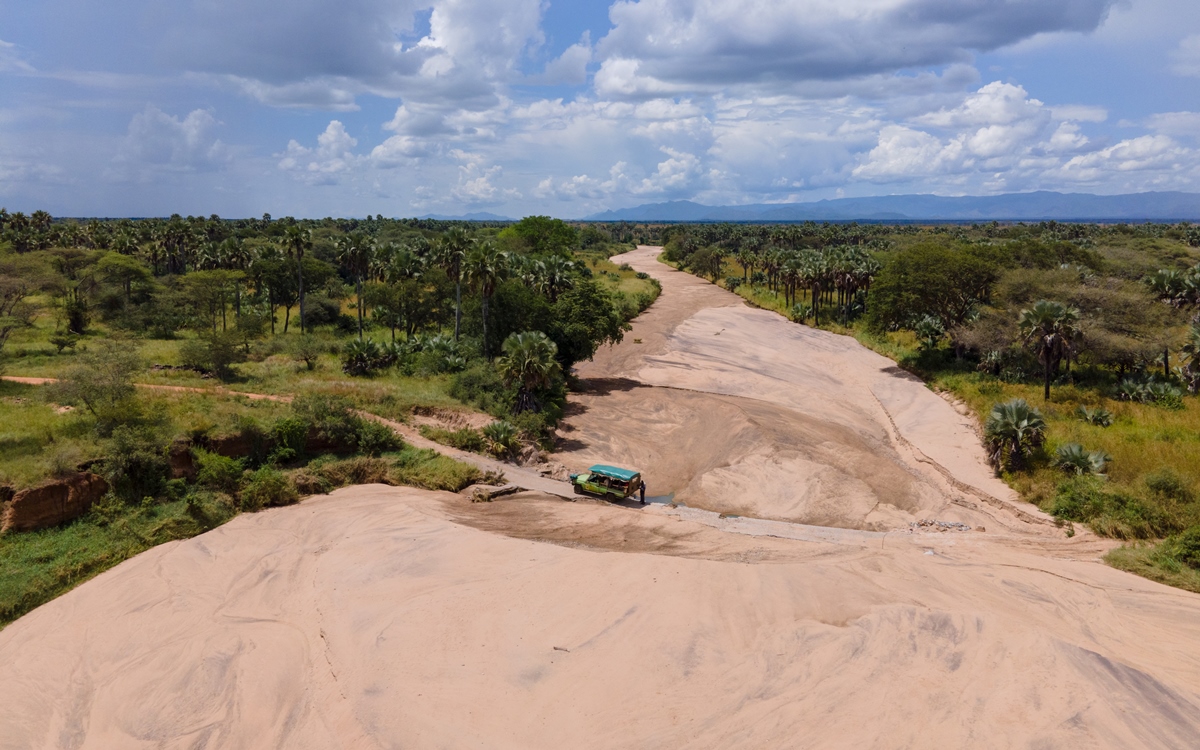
(381, 617)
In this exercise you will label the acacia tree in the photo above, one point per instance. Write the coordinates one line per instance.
(485, 267)
(1050, 328)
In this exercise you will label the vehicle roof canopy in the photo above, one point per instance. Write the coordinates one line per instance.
(625, 475)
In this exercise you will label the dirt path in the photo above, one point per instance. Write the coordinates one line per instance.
(391, 617)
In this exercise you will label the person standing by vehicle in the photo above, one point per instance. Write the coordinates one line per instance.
(642, 492)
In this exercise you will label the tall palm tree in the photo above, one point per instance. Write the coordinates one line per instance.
(556, 275)
(296, 240)
(1050, 328)
(450, 252)
(485, 267)
(530, 359)
(355, 251)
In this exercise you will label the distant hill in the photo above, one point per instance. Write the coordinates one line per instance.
(1039, 206)
(479, 216)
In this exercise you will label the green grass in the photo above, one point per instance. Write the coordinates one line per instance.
(1140, 560)
(38, 566)
(431, 470)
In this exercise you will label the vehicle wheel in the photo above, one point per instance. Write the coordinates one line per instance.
(578, 489)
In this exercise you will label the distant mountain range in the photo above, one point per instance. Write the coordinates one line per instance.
(1039, 206)
(479, 216)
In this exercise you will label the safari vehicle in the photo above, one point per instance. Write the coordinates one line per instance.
(608, 481)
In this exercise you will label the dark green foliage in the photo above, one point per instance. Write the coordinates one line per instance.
(930, 279)
(289, 435)
(1073, 458)
(374, 438)
(267, 487)
(214, 352)
(432, 471)
(542, 235)
(331, 419)
(502, 438)
(465, 439)
(481, 385)
(362, 357)
(1014, 431)
(135, 465)
(1182, 549)
(1110, 511)
(584, 318)
(1168, 487)
(219, 472)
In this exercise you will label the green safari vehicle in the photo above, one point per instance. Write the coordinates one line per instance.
(610, 482)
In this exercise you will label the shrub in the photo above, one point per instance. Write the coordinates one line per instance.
(1109, 511)
(465, 439)
(267, 487)
(1166, 485)
(213, 352)
(482, 386)
(1099, 416)
(501, 438)
(290, 435)
(929, 330)
(432, 471)
(360, 470)
(374, 438)
(1073, 458)
(331, 418)
(102, 382)
(1014, 430)
(308, 349)
(308, 482)
(136, 465)
(219, 472)
(361, 358)
(1182, 549)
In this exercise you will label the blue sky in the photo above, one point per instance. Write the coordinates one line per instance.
(408, 107)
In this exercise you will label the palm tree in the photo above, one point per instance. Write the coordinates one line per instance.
(355, 251)
(1050, 328)
(296, 241)
(450, 253)
(485, 267)
(1014, 430)
(530, 360)
(555, 276)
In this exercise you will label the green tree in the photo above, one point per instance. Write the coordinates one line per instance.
(449, 253)
(296, 241)
(356, 252)
(101, 380)
(529, 361)
(542, 235)
(585, 317)
(124, 271)
(1050, 329)
(928, 279)
(485, 267)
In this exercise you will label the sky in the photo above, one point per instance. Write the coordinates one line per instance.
(315, 108)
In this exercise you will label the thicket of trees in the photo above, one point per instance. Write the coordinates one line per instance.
(424, 296)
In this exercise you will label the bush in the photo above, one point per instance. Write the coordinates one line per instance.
(267, 487)
(1183, 549)
(374, 438)
(213, 352)
(1109, 511)
(1073, 458)
(1166, 485)
(1099, 416)
(308, 349)
(136, 466)
(465, 439)
(501, 438)
(219, 472)
(361, 470)
(331, 418)
(1014, 430)
(432, 471)
(290, 435)
(102, 382)
(482, 386)
(362, 358)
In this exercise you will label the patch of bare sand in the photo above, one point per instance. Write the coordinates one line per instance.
(752, 414)
(389, 617)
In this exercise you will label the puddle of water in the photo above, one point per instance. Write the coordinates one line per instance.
(661, 499)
